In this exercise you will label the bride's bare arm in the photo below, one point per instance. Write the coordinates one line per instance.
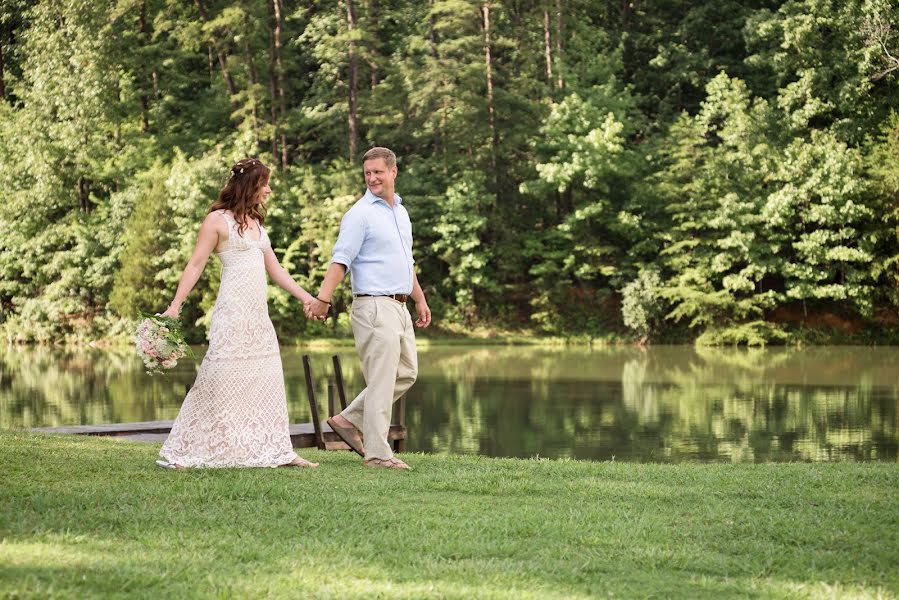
(280, 276)
(208, 238)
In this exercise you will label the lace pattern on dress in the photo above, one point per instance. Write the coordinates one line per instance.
(235, 415)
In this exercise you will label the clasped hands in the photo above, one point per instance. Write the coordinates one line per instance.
(315, 309)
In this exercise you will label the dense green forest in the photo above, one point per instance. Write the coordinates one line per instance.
(711, 170)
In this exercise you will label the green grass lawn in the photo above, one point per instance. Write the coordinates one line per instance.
(82, 517)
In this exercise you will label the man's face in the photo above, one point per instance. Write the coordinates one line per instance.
(378, 176)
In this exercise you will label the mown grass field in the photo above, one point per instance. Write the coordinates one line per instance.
(89, 517)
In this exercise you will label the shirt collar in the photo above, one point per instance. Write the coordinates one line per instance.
(372, 198)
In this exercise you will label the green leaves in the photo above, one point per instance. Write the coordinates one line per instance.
(459, 230)
(642, 304)
(786, 217)
(744, 152)
(583, 145)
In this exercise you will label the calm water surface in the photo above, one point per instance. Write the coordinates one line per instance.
(664, 404)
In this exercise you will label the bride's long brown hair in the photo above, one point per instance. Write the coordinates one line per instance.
(242, 195)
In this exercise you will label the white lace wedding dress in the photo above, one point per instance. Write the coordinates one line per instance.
(235, 415)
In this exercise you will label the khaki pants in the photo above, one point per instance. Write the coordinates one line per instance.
(385, 340)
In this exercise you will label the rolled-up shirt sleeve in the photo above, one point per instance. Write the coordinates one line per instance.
(350, 238)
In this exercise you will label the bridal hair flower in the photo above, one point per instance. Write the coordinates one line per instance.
(241, 166)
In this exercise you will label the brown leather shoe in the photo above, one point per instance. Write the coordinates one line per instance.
(350, 435)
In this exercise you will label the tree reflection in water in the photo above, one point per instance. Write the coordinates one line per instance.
(662, 404)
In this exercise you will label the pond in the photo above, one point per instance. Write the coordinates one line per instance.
(661, 404)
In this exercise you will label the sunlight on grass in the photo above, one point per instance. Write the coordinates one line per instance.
(93, 517)
(61, 551)
(819, 590)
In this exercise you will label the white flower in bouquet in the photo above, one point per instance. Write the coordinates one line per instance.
(160, 343)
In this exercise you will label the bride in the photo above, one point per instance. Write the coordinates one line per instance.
(235, 415)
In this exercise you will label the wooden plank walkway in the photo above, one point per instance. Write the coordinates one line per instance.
(317, 434)
(302, 435)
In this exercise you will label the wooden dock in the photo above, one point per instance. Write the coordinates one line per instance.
(302, 435)
(317, 434)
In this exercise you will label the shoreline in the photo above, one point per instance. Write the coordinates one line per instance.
(502, 339)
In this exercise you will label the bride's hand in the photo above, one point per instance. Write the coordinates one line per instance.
(171, 312)
(311, 313)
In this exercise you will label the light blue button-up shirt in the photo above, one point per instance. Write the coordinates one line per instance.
(375, 242)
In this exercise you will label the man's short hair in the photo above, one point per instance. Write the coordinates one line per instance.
(380, 152)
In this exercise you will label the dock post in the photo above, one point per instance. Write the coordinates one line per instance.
(313, 404)
(332, 398)
(338, 379)
(400, 417)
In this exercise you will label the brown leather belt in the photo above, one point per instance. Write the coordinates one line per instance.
(401, 298)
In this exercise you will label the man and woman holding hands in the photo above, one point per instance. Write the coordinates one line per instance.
(236, 413)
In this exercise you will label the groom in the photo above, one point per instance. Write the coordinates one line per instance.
(375, 244)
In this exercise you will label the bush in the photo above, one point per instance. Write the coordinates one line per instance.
(642, 305)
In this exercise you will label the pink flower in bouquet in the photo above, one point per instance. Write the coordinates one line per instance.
(159, 343)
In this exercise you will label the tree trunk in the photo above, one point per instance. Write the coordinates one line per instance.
(374, 10)
(279, 69)
(432, 35)
(491, 117)
(444, 117)
(627, 9)
(353, 82)
(253, 76)
(375, 74)
(84, 199)
(2, 83)
(440, 134)
(222, 58)
(144, 97)
(273, 78)
(547, 47)
(117, 127)
(560, 82)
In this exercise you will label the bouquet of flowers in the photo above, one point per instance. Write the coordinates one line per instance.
(160, 342)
